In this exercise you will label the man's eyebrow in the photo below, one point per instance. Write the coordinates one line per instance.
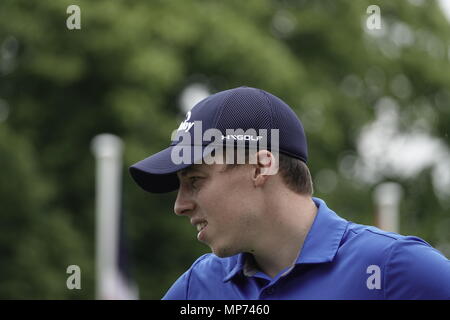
(188, 170)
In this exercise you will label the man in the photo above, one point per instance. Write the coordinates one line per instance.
(270, 239)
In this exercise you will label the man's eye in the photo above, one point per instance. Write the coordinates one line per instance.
(194, 180)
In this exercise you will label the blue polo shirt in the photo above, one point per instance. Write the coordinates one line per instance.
(339, 260)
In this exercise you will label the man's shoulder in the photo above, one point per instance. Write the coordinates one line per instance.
(210, 263)
(368, 243)
(370, 237)
(202, 279)
(395, 250)
(409, 267)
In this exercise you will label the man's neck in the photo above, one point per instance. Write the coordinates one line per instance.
(283, 240)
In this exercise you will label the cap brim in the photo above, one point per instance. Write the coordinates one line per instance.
(157, 173)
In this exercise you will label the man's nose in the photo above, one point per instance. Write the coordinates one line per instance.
(184, 205)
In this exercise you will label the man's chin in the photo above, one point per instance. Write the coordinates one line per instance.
(223, 252)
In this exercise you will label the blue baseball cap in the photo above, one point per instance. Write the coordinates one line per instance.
(240, 110)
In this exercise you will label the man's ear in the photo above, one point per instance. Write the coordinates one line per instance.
(268, 162)
(266, 165)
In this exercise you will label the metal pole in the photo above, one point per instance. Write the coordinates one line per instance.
(107, 149)
(387, 198)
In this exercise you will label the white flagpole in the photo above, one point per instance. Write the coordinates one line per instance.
(387, 198)
(107, 149)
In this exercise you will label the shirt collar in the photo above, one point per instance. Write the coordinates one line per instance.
(323, 239)
(321, 243)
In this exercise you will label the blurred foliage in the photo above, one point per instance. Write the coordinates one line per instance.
(123, 73)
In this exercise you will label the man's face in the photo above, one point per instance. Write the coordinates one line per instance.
(222, 206)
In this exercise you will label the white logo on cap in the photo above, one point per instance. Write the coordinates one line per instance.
(241, 137)
(186, 125)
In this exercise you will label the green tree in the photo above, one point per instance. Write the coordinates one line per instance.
(123, 73)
